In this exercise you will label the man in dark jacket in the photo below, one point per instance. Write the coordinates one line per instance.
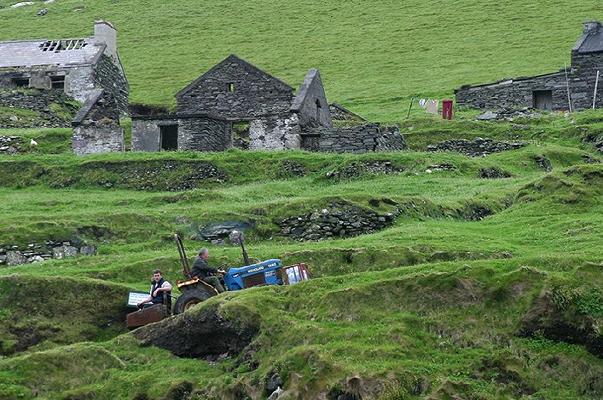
(160, 288)
(206, 273)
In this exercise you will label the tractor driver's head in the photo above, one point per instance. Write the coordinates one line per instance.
(157, 275)
(204, 253)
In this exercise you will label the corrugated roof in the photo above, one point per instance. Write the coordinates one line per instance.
(62, 53)
(592, 42)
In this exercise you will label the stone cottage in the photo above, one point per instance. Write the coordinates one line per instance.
(86, 69)
(570, 89)
(79, 67)
(234, 104)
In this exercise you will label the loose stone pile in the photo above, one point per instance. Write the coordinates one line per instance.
(475, 148)
(493, 173)
(10, 144)
(290, 169)
(38, 252)
(544, 163)
(338, 219)
(359, 168)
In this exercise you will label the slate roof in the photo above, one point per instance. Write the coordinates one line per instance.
(591, 41)
(61, 53)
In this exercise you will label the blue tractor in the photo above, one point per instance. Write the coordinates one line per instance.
(269, 272)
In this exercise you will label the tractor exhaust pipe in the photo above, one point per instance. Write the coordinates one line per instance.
(237, 237)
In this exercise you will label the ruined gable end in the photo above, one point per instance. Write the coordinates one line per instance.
(96, 127)
(235, 89)
(311, 103)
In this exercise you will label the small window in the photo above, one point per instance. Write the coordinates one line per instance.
(21, 82)
(318, 109)
(57, 82)
(231, 87)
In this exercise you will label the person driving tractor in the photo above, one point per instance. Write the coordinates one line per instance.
(206, 273)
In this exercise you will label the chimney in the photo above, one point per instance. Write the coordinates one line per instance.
(105, 33)
(592, 26)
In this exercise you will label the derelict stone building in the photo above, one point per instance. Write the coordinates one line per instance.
(548, 91)
(79, 66)
(86, 69)
(234, 104)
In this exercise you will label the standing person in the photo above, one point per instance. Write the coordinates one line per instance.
(204, 272)
(159, 289)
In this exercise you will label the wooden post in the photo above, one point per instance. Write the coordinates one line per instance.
(412, 100)
(595, 92)
(569, 97)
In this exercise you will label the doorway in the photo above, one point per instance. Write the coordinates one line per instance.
(240, 135)
(168, 137)
(543, 99)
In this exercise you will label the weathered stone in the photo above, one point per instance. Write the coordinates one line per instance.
(221, 230)
(15, 257)
(475, 148)
(88, 250)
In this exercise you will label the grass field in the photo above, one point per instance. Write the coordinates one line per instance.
(432, 307)
(373, 57)
(480, 289)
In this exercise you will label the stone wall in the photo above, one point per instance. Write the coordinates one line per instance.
(356, 139)
(109, 77)
(37, 252)
(338, 219)
(80, 83)
(98, 139)
(275, 133)
(54, 109)
(477, 147)
(514, 93)
(203, 134)
(234, 89)
(585, 66)
(96, 126)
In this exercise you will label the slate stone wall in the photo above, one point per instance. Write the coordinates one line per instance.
(38, 101)
(514, 93)
(254, 94)
(203, 134)
(109, 77)
(518, 93)
(356, 139)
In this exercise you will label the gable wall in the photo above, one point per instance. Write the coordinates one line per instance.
(255, 94)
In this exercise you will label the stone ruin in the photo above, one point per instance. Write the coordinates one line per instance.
(11, 255)
(235, 104)
(548, 91)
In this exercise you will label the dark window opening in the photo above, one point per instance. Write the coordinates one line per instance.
(543, 99)
(57, 82)
(231, 87)
(21, 82)
(318, 109)
(240, 135)
(168, 137)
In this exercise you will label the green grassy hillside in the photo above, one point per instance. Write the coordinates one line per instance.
(373, 56)
(481, 287)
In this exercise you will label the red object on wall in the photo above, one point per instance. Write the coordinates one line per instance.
(447, 108)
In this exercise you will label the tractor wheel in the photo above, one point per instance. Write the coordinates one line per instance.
(188, 299)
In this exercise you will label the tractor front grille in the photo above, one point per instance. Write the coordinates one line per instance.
(254, 280)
